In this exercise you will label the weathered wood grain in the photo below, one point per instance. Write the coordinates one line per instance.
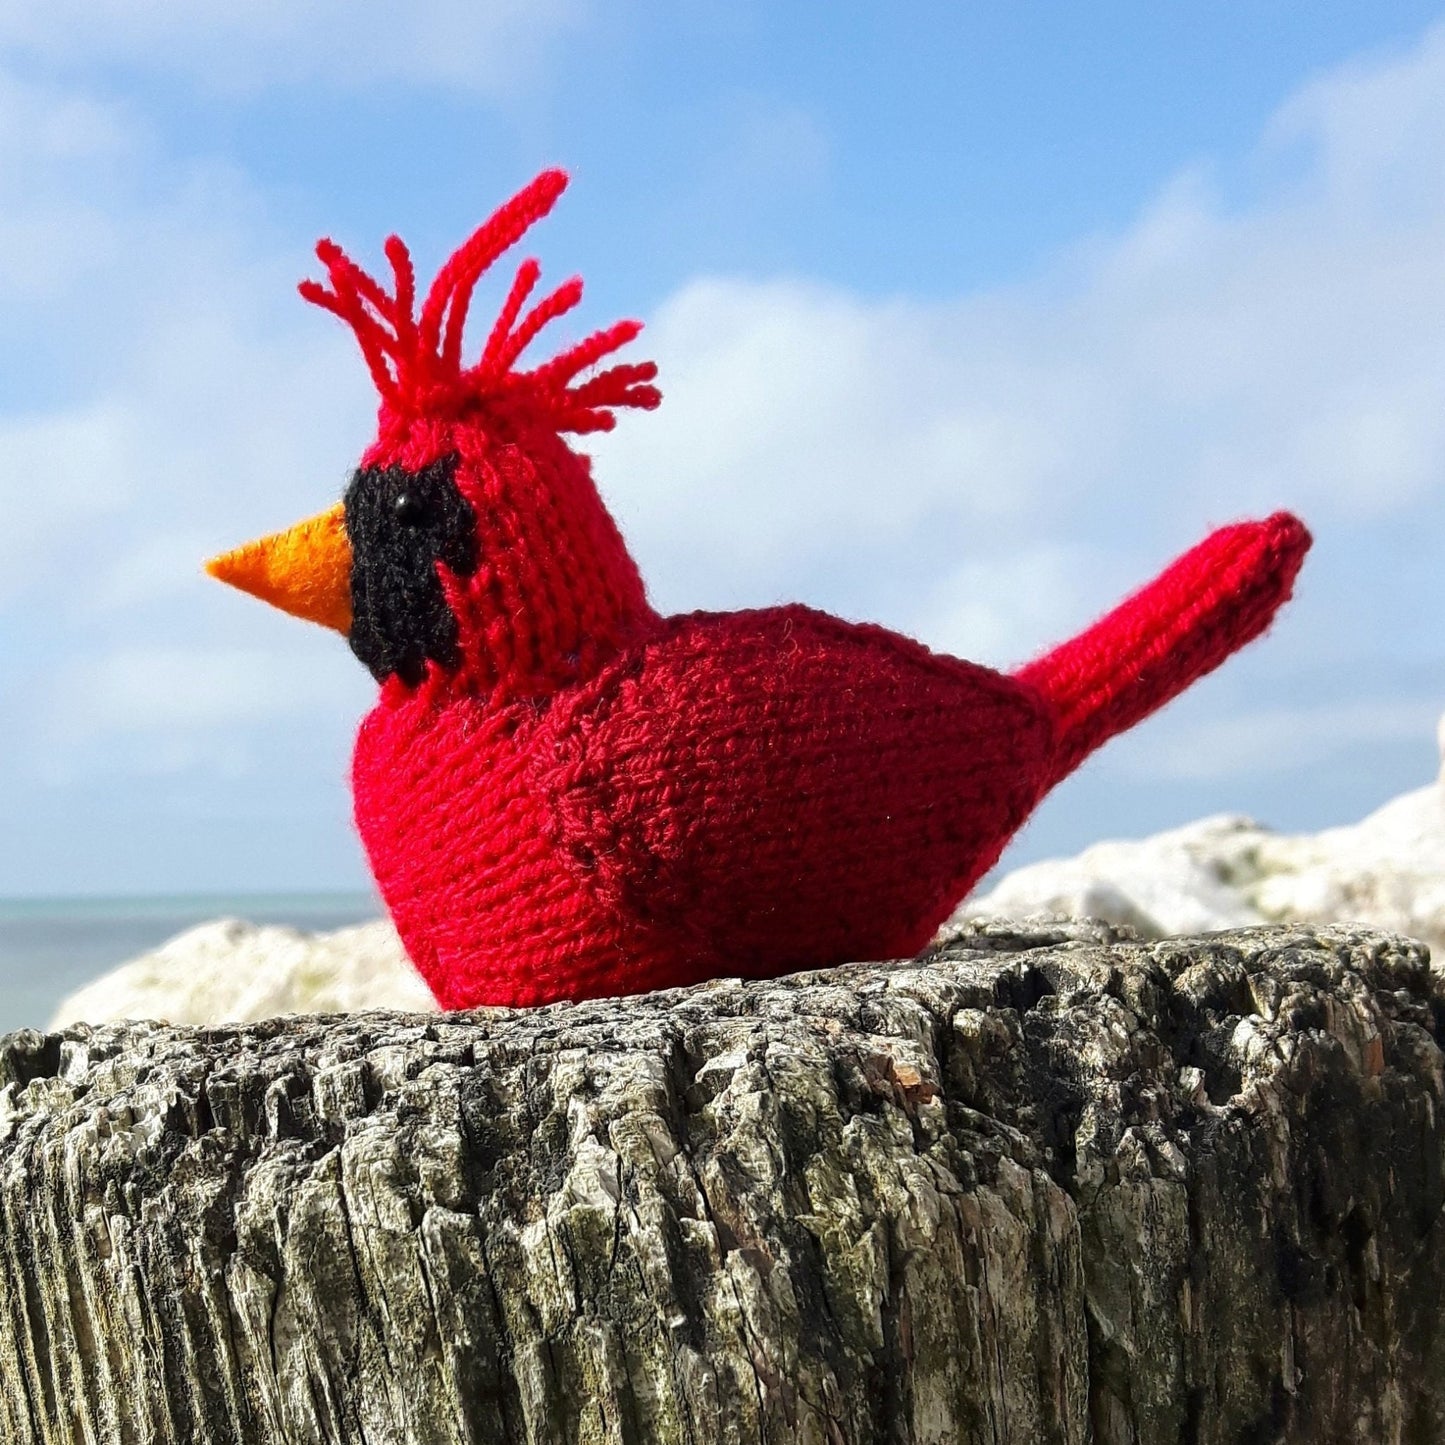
(1039, 1188)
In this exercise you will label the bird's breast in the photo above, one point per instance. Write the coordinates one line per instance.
(463, 847)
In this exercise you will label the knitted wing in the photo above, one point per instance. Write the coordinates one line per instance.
(779, 789)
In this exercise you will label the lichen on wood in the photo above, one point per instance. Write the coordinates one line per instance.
(1048, 1186)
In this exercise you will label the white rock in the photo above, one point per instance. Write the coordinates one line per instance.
(1387, 871)
(231, 972)
(1183, 881)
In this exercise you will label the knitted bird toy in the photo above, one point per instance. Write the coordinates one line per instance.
(564, 794)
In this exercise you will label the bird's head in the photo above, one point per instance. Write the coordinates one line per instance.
(471, 543)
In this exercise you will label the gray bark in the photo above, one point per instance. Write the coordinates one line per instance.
(1054, 1187)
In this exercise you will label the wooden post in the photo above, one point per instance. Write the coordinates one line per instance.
(1048, 1187)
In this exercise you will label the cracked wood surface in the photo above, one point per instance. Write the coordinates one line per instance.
(1047, 1187)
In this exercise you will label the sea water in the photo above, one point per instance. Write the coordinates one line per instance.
(49, 947)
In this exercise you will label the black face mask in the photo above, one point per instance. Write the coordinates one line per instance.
(400, 525)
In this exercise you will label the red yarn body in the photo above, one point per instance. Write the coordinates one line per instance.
(750, 793)
(754, 792)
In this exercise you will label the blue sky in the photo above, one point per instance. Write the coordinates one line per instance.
(969, 319)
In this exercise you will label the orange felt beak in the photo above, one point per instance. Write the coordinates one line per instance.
(305, 570)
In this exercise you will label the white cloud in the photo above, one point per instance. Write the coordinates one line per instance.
(211, 434)
(159, 568)
(998, 610)
(178, 399)
(485, 46)
(1372, 126)
(181, 388)
(159, 690)
(58, 473)
(1212, 361)
(57, 153)
(1279, 739)
(800, 422)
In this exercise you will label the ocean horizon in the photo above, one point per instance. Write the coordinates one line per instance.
(49, 947)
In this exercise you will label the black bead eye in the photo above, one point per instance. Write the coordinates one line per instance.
(410, 509)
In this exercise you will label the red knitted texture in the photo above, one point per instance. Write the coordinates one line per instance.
(600, 800)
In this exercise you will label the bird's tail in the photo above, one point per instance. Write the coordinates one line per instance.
(1206, 605)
